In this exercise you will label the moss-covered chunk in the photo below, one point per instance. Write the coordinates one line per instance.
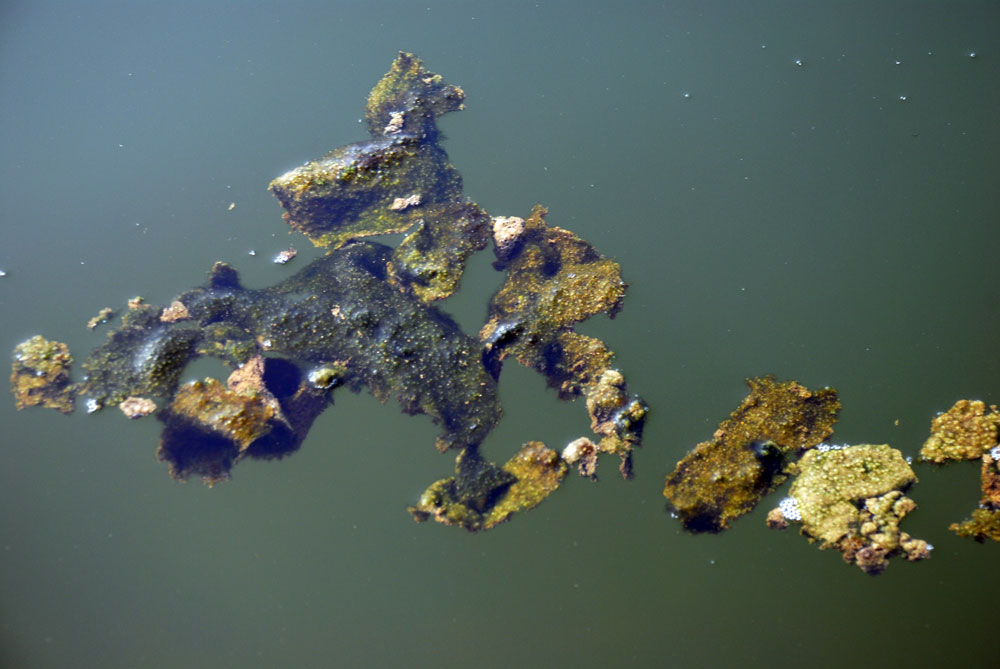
(722, 479)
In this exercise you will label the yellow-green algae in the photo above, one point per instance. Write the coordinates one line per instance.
(851, 499)
(722, 479)
(41, 375)
(481, 495)
(964, 432)
(431, 259)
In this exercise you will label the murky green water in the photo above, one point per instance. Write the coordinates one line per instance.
(807, 189)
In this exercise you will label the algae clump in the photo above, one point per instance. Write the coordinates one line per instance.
(723, 479)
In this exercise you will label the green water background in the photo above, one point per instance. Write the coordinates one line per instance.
(800, 188)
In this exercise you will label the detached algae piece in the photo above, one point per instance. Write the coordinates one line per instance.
(969, 431)
(362, 317)
(851, 499)
(985, 521)
(41, 375)
(481, 495)
(722, 479)
(554, 281)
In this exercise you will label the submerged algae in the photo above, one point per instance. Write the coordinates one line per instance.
(361, 317)
(723, 479)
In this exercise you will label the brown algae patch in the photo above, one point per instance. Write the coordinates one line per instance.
(722, 479)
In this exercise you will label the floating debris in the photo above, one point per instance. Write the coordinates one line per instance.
(722, 479)
(102, 317)
(285, 256)
(175, 312)
(583, 453)
(137, 407)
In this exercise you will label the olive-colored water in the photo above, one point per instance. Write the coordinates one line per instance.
(807, 189)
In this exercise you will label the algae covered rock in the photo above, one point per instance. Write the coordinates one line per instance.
(722, 479)
(851, 499)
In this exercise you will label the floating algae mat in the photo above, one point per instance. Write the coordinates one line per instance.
(363, 316)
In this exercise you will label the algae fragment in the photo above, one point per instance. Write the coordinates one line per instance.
(851, 499)
(41, 375)
(985, 521)
(722, 479)
(102, 317)
(481, 495)
(964, 432)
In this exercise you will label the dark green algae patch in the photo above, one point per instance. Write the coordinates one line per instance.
(362, 317)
